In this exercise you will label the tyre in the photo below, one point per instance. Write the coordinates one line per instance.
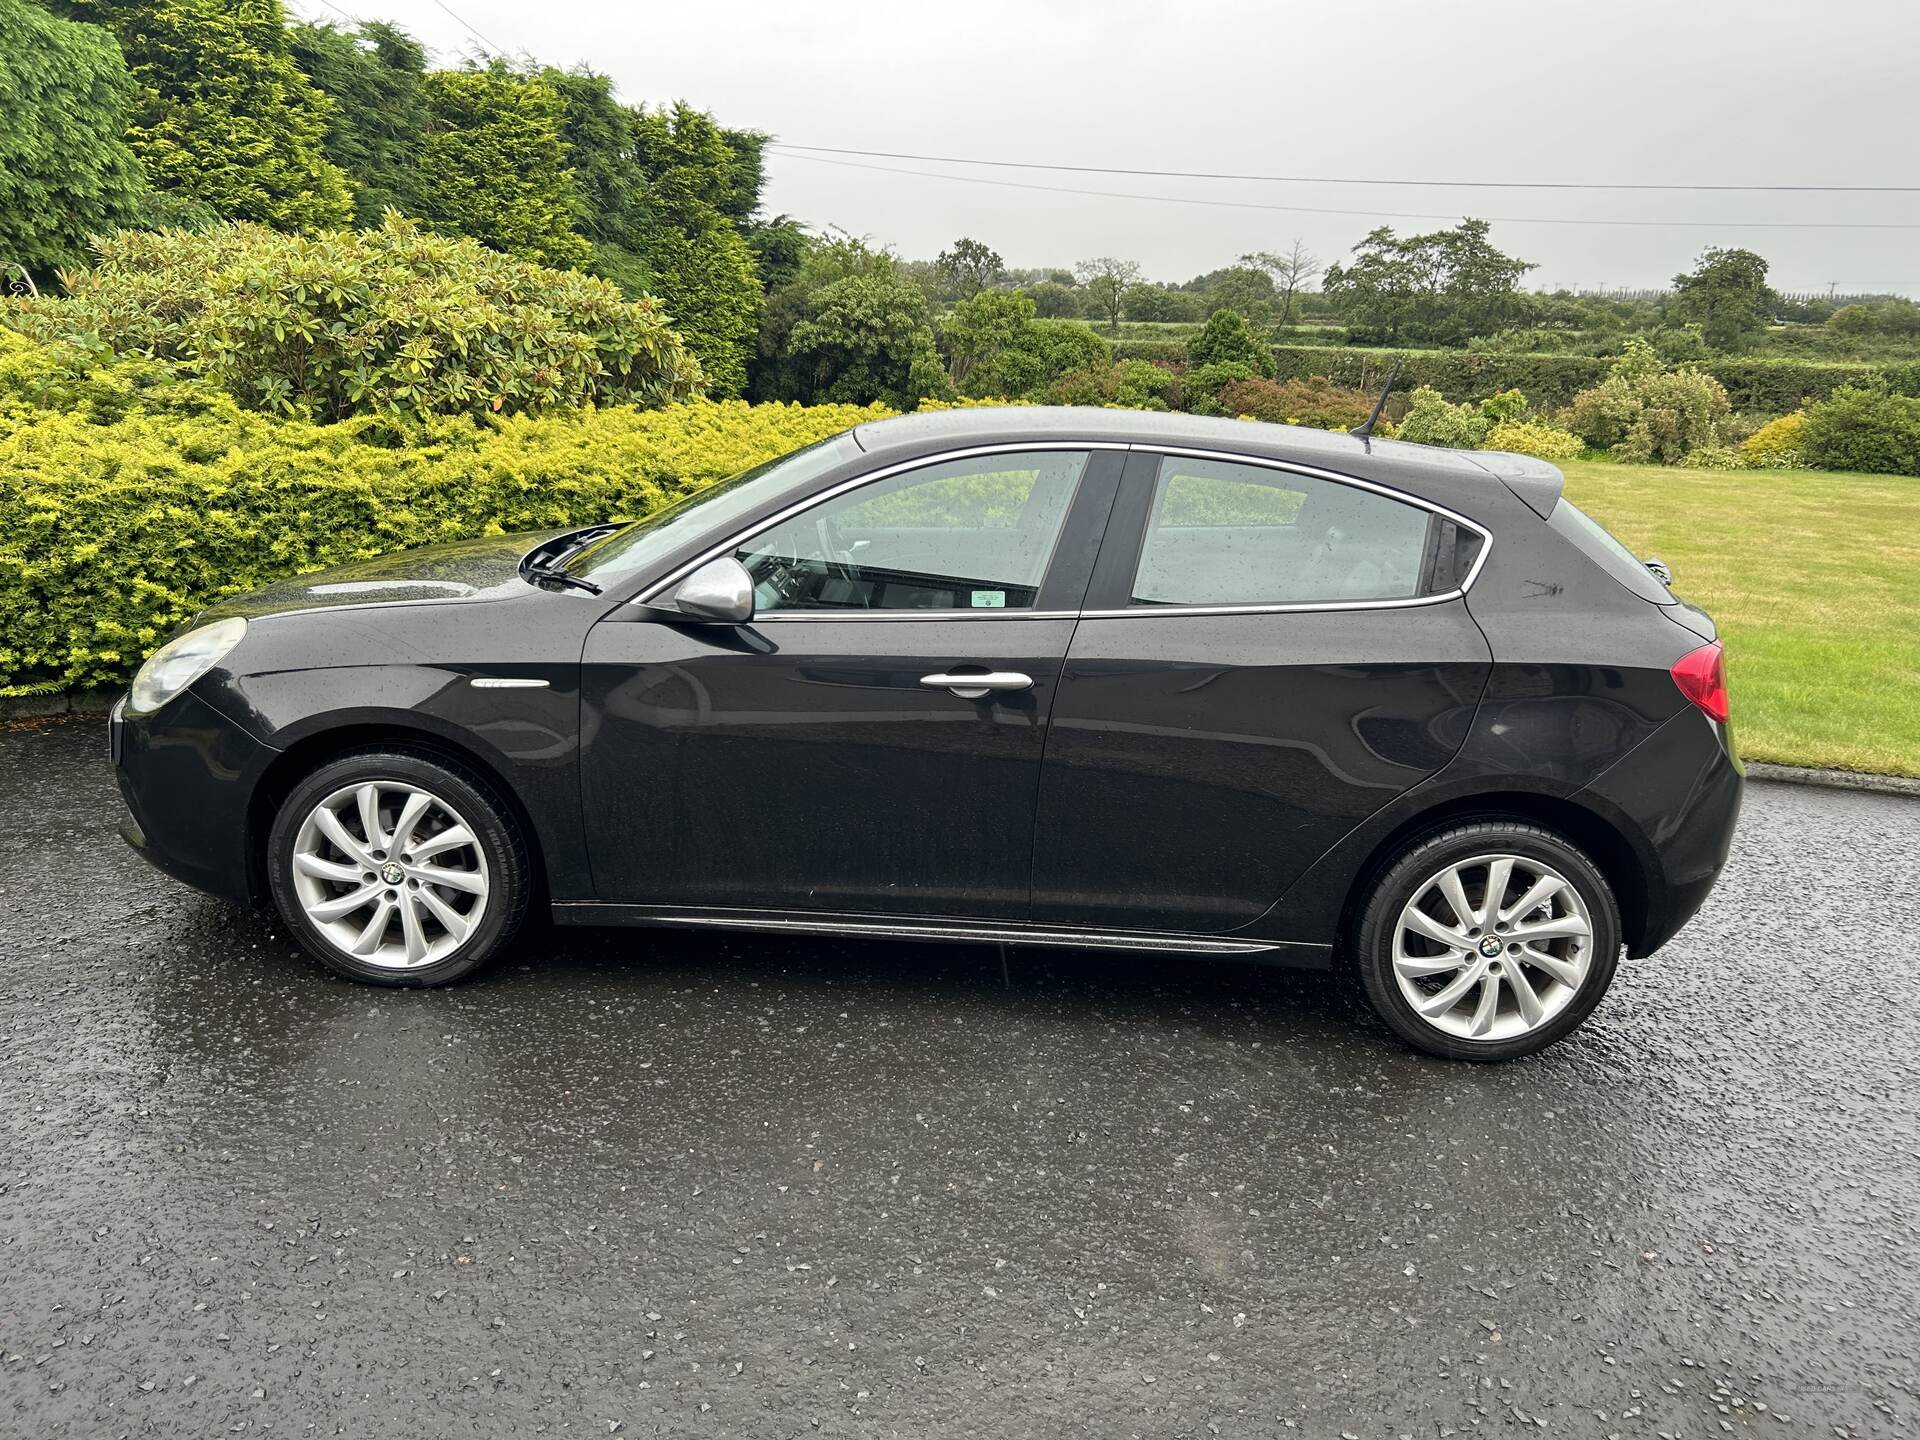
(398, 869)
(1488, 941)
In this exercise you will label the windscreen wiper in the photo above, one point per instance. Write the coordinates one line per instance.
(559, 577)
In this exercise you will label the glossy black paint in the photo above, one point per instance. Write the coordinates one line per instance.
(1170, 774)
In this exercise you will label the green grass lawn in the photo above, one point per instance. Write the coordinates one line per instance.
(1814, 580)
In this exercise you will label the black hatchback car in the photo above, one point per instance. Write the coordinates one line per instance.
(1036, 676)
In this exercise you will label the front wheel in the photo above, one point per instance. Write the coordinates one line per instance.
(397, 869)
(1489, 941)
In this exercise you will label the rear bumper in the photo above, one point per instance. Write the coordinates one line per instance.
(187, 774)
(1680, 790)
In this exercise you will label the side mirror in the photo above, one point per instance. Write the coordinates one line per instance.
(720, 591)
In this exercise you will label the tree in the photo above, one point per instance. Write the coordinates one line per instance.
(1244, 290)
(1055, 301)
(1444, 287)
(968, 268)
(609, 185)
(374, 74)
(1227, 339)
(222, 116)
(980, 326)
(65, 169)
(850, 326)
(494, 167)
(1106, 279)
(1145, 300)
(697, 261)
(779, 246)
(1291, 272)
(1727, 295)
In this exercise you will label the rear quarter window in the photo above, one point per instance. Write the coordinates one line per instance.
(1594, 541)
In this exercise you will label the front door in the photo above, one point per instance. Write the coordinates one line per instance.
(1266, 658)
(832, 755)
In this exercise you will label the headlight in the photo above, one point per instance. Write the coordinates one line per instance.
(181, 661)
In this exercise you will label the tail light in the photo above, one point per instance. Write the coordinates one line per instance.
(1702, 677)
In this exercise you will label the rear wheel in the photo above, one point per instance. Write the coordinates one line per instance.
(1489, 941)
(397, 869)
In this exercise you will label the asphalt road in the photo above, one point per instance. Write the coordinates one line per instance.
(638, 1183)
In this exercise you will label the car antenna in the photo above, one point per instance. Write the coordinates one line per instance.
(1365, 428)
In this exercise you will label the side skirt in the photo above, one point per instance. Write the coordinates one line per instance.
(963, 932)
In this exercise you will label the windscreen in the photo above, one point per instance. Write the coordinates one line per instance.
(710, 511)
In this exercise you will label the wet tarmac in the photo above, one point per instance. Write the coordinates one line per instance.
(643, 1183)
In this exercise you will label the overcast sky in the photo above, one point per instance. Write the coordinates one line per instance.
(1682, 91)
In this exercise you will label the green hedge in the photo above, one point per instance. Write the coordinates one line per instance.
(1760, 385)
(125, 511)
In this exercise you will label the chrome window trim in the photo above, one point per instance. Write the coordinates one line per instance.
(733, 543)
(1145, 612)
(774, 617)
(1134, 612)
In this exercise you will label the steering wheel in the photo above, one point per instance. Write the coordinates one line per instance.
(834, 554)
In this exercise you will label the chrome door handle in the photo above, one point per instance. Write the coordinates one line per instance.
(976, 687)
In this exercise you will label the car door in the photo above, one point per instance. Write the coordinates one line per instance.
(871, 742)
(1266, 657)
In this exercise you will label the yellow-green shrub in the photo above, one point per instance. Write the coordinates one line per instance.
(114, 532)
(1548, 442)
(1776, 444)
(391, 321)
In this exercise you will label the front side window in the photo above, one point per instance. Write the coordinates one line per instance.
(972, 534)
(1222, 533)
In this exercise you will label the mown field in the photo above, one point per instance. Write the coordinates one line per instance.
(1814, 579)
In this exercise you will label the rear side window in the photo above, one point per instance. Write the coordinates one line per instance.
(1222, 533)
(1608, 553)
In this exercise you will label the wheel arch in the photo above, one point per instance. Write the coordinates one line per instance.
(309, 753)
(1602, 838)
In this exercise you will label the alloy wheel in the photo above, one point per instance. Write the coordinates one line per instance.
(390, 874)
(1492, 947)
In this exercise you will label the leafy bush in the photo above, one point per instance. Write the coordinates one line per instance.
(1548, 442)
(1769, 386)
(392, 322)
(1860, 428)
(1131, 385)
(1315, 403)
(1505, 407)
(1228, 338)
(1202, 384)
(1430, 420)
(1717, 457)
(119, 521)
(1036, 354)
(1776, 444)
(1642, 413)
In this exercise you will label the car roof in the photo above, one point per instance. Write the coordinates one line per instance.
(1534, 481)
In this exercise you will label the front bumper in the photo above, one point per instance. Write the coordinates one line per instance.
(187, 774)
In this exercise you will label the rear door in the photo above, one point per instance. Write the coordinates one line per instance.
(835, 753)
(1267, 656)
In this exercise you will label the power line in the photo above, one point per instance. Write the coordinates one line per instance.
(1352, 180)
(496, 49)
(1362, 214)
(350, 19)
